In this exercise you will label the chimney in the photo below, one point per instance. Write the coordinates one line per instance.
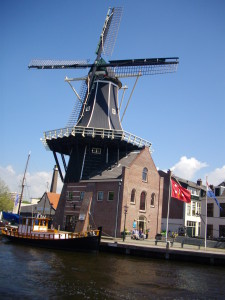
(54, 180)
(199, 182)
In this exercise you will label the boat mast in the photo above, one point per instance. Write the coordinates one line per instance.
(23, 184)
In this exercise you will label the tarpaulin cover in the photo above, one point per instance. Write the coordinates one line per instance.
(11, 217)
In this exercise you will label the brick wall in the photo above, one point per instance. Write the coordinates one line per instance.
(133, 180)
(110, 213)
(176, 206)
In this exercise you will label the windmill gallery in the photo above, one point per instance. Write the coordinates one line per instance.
(110, 176)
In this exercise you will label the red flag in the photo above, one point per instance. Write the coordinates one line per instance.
(180, 193)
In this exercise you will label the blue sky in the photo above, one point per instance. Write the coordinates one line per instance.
(182, 114)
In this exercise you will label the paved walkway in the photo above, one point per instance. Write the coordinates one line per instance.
(151, 244)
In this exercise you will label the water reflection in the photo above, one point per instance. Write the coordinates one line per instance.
(38, 273)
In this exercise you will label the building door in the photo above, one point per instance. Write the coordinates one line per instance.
(191, 226)
(141, 222)
(70, 222)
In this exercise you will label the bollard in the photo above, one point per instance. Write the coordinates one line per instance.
(167, 245)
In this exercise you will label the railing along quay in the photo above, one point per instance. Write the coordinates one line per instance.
(148, 249)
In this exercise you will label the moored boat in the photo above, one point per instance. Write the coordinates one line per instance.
(37, 232)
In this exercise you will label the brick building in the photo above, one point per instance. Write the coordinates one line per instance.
(133, 184)
(181, 213)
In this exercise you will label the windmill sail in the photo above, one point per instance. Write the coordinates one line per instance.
(78, 106)
(110, 31)
(57, 64)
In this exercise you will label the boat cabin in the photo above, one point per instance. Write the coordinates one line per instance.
(28, 225)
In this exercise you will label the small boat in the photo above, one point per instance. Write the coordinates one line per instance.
(37, 232)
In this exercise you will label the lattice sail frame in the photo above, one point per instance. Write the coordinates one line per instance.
(111, 36)
(57, 64)
(78, 105)
(137, 70)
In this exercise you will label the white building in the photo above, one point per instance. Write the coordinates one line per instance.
(16, 206)
(192, 211)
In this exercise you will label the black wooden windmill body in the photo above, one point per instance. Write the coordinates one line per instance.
(95, 123)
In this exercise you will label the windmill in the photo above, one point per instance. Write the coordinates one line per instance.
(95, 124)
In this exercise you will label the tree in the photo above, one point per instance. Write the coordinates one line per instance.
(6, 203)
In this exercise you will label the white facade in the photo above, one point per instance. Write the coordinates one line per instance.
(192, 217)
(192, 213)
(26, 206)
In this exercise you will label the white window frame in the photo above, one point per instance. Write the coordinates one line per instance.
(145, 174)
(82, 197)
(113, 195)
(98, 195)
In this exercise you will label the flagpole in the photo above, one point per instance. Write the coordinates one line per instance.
(168, 209)
(206, 212)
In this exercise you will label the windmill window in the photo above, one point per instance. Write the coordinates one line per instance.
(88, 108)
(100, 196)
(153, 199)
(143, 201)
(145, 175)
(113, 111)
(81, 196)
(111, 196)
(96, 150)
(132, 197)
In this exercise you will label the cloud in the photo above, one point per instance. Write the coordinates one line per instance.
(8, 174)
(10, 170)
(217, 176)
(35, 185)
(188, 167)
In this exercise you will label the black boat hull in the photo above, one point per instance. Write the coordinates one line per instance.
(87, 244)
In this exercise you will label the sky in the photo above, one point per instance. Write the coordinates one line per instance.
(182, 114)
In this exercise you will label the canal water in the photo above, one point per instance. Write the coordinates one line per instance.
(30, 273)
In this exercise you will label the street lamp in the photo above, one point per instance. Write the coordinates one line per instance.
(125, 213)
